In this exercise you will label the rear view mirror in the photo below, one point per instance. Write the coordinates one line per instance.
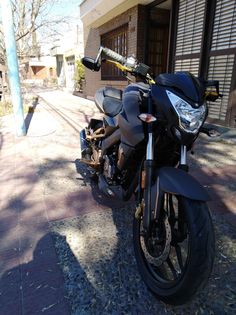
(90, 64)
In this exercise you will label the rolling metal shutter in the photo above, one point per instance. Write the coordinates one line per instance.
(222, 55)
(221, 68)
(194, 47)
(224, 32)
(189, 35)
(191, 65)
(190, 26)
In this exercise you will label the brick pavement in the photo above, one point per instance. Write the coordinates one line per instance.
(40, 183)
(221, 186)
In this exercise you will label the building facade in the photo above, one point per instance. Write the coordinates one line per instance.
(169, 35)
(67, 51)
(39, 69)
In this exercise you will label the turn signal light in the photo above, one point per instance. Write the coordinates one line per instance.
(143, 178)
(148, 118)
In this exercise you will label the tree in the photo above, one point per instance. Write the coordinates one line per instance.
(32, 18)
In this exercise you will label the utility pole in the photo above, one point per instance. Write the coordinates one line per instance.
(13, 69)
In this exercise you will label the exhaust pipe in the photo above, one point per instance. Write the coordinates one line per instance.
(86, 152)
(84, 145)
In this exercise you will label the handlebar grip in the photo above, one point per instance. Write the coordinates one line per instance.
(112, 54)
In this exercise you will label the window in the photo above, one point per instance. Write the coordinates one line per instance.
(70, 67)
(206, 46)
(221, 68)
(222, 58)
(117, 41)
(224, 31)
(189, 35)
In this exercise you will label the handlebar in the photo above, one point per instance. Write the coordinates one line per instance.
(213, 83)
(114, 55)
(141, 70)
(130, 65)
(212, 96)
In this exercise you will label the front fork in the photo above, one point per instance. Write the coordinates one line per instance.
(183, 158)
(149, 165)
(148, 171)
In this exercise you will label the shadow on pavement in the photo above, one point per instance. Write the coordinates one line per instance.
(35, 286)
(30, 113)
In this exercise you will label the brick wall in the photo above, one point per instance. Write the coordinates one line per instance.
(41, 73)
(141, 33)
(37, 72)
(135, 18)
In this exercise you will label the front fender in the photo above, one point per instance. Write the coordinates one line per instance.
(176, 181)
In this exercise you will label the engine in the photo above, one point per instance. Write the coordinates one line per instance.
(109, 168)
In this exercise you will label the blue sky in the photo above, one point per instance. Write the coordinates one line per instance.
(68, 8)
(63, 8)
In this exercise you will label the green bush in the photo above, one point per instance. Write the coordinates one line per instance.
(6, 108)
(79, 75)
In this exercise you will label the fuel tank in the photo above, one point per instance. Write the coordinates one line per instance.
(131, 127)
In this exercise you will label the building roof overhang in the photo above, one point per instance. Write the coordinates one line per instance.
(94, 13)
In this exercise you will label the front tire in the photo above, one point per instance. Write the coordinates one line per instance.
(176, 280)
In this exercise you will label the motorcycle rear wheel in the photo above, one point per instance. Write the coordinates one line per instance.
(176, 280)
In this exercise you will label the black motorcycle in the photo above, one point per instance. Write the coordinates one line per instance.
(140, 148)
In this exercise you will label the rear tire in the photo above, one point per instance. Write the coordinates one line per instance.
(192, 274)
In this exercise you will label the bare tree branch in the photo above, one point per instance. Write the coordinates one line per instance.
(31, 16)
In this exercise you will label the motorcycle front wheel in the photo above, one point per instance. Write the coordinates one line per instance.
(177, 258)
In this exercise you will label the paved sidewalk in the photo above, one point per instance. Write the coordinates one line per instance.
(41, 182)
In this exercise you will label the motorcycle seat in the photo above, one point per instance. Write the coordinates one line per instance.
(109, 101)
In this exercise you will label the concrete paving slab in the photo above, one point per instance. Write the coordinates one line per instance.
(40, 123)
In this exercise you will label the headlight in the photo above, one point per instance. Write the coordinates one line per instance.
(190, 118)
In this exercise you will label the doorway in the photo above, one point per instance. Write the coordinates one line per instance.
(158, 37)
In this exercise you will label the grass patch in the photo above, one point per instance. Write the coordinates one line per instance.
(6, 108)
